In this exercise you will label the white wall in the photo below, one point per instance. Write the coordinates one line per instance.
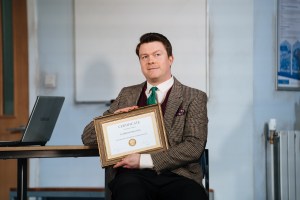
(268, 103)
(242, 95)
(231, 101)
(55, 55)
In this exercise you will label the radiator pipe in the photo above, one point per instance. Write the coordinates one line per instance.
(272, 131)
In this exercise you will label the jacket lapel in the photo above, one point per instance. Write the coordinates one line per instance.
(173, 104)
(174, 101)
(136, 93)
(131, 97)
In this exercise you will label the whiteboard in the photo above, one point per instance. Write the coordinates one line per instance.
(107, 32)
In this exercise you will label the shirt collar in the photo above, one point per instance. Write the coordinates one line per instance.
(163, 87)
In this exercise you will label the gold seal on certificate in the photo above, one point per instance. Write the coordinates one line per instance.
(132, 142)
(137, 131)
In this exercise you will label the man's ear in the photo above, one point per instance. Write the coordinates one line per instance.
(171, 59)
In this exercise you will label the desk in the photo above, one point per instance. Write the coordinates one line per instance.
(22, 154)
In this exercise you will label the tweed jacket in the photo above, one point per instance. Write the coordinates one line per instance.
(185, 121)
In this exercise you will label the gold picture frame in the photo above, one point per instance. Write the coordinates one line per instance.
(138, 131)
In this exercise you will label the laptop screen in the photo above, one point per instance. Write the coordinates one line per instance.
(42, 119)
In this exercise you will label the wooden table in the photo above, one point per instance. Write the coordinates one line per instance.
(22, 154)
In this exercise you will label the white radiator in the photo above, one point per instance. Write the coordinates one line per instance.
(283, 165)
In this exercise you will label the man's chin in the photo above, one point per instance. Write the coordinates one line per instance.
(154, 81)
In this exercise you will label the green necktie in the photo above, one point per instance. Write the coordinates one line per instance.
(152, 98)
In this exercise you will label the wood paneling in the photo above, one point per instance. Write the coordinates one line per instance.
(21, 101)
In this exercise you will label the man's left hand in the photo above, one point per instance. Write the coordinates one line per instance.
(131, 161)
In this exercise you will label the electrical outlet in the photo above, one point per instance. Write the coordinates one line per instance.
(50, 80)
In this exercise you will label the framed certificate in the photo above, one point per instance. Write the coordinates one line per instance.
(137, 131)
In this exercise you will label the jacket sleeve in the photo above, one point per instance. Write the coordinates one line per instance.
(188, 142)
(88, 136)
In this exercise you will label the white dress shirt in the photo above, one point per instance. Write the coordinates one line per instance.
(161, 92)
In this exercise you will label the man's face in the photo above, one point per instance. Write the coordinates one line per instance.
(155, 63)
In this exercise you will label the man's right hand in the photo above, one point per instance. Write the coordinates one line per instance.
(127, 109)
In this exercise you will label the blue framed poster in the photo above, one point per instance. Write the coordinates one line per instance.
(288, 45)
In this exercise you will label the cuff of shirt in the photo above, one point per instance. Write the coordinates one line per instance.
(146, 161)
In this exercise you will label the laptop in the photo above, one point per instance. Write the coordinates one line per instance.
(41, 122)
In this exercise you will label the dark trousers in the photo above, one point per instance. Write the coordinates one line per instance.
(132, 184)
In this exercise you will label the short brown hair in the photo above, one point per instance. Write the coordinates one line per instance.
(154, 37)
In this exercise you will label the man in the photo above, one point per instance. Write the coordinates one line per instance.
(174, 174)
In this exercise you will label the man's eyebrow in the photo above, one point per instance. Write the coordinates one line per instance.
(150, 53)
